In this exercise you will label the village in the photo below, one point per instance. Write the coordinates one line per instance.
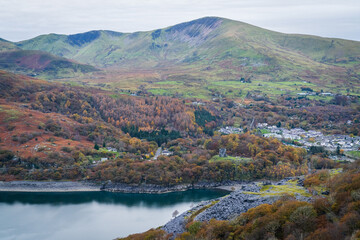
(311, 138)
(299, 136)
(303, 138)
(230, 130)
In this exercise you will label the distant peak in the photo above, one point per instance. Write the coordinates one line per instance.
(205, 22)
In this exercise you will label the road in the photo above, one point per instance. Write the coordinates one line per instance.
(158, 152)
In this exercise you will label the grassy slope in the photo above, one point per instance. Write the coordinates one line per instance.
(6, 45)
(42, 64)
(203, 35)
(203, 52)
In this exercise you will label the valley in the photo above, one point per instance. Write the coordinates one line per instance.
(273, 117)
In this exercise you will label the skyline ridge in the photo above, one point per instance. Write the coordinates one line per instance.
(171, 25)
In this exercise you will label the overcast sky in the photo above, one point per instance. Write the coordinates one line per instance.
(24, 19)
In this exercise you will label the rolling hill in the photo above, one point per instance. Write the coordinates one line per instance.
(199, 55)
(6, 45)
(205, 40)
(39, 63)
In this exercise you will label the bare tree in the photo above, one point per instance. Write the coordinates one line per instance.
(175, 213)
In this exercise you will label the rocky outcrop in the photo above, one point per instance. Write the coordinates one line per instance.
(177, 224)
(248, 196)
(48, 186)
(151, 188)
(222, 209)
(69, 186)
(233, 205)
(143, 188)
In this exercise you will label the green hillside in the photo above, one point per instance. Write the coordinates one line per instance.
(6, 45)
(201, 54)
(195, 41)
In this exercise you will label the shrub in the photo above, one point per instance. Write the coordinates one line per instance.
(66, 149)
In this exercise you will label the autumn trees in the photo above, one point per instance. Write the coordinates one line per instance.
(331, 217)
(269, 158)
(137, 125)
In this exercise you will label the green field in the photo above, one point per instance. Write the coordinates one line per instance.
(354, 154)
(230, 158)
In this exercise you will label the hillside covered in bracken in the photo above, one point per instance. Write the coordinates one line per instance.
(331, 216)
(49, 130)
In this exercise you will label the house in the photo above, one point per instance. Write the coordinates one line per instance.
(166, 152)
(230, 130)
(261, 125)
(291, 136)
(198, 103)
(272, 135)
(111, 149)
(103, 159)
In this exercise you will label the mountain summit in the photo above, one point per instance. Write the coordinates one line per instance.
(209, 48)
(205, 40)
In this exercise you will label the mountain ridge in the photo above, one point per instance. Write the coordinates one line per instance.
(158, 45)
(210, 49)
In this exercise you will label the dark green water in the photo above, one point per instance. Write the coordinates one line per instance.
(90, 215)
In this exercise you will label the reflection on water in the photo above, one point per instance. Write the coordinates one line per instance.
(90, 215)
(128, 199)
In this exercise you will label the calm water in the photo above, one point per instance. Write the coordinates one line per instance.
(90, 215)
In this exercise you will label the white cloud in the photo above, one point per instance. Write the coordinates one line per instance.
(23, 19)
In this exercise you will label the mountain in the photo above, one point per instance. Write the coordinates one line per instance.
(203, 40)
(34, 62)
(6, 45)
(202, 52)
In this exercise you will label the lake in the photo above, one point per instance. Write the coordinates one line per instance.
(90, 215)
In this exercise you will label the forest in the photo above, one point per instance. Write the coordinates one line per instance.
(70, 121)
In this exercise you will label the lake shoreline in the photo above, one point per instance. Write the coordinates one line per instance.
(90, 215)
(48, 186)
(85, 186)
(243, 197)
